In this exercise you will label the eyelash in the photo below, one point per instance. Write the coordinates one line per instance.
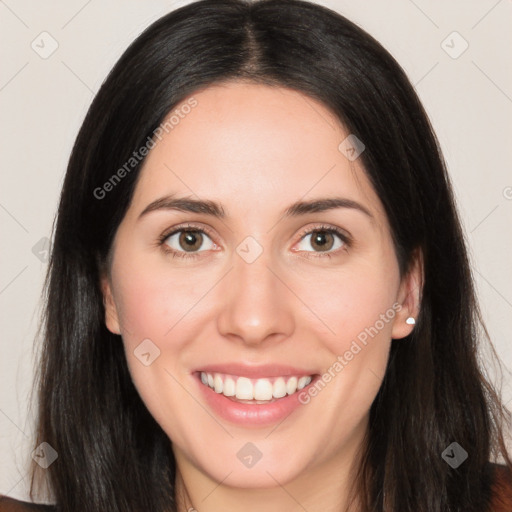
(191, 227)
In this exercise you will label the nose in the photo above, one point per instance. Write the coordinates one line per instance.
(257, 305)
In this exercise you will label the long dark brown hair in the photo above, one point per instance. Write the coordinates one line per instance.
(112, 455)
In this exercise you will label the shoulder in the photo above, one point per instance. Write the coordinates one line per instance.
(501, 499)
(11, 505)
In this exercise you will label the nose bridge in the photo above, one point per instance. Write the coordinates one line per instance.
(256, 304)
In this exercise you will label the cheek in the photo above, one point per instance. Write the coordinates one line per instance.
(357, 307)
(150, 302)
(353, 303)
(142, 310)
(153, 305)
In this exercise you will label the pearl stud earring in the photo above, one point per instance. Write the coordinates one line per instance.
(410, 321)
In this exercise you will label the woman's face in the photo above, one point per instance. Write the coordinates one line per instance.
(266, 291)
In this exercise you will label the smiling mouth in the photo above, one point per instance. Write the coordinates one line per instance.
(254, 391)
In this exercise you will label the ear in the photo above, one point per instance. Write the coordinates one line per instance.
(409, 297)
(111, 315)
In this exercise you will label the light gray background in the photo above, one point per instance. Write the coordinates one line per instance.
(43, 102)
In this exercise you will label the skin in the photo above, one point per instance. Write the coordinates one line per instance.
(256, 150)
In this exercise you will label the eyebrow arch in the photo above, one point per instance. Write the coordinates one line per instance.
(215, 209)
(185, 204)
(324, 204)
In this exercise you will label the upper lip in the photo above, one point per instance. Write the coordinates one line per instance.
(255, 371)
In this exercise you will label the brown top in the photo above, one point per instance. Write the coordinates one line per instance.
(12, 505)
(501, 497)
(502, 491)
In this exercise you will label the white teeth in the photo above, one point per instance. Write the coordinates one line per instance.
(291, 385)
(260, 390)
(244, 389)
(303, 382)
(229, 387)
(263, 390)
(217, 383)
(279, 388)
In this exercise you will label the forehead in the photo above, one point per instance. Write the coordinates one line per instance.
(253, 148)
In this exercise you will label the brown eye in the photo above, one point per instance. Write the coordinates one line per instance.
(322, 240)
(189, 241)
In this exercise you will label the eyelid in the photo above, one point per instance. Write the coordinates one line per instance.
(326, 227)
(184, 227)
(345, 237)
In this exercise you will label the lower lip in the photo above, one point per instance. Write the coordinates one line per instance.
(251, 414)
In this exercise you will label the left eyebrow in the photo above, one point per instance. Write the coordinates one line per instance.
(324, 204)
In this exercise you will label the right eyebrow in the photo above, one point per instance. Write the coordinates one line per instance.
(184, 204)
